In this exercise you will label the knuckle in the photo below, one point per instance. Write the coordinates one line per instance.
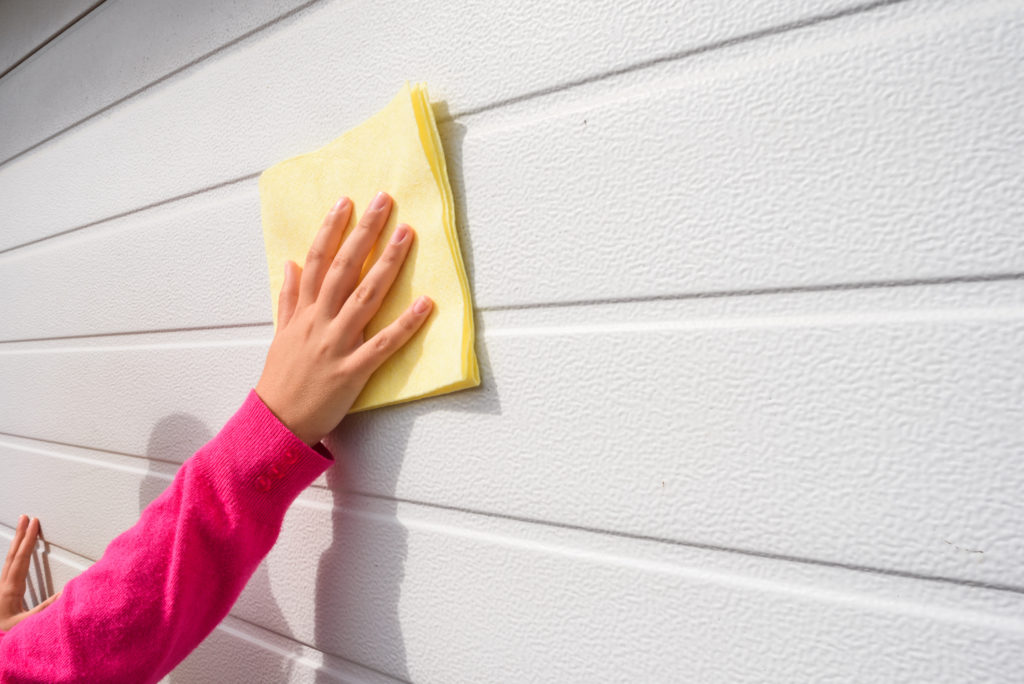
(369, 224)
(382, 342)
(315, 254)
(364, 294)
(342, 262)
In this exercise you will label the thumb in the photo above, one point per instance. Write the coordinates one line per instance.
(15, 619)
(288, 299)
(42, 605)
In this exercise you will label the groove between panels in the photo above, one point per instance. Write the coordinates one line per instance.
(773, 320)
(852, 567)
(49, 40)
(678, 56)
(128, 333)
(94, 449)
(47, 546)
(768, 291)
(297, 658)
(136, 210)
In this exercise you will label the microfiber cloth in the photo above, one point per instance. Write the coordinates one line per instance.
(397, 150)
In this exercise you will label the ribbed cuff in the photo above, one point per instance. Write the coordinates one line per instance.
(256, 459)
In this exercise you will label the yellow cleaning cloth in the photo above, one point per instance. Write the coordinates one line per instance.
(398, 151)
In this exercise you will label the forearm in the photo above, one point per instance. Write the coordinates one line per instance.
(164, 584)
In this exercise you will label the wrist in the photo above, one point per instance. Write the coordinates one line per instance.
(295, 426)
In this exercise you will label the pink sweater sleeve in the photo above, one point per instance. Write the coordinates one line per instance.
(163, 585)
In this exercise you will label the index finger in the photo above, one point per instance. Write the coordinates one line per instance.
(28, 545)
(19, 533)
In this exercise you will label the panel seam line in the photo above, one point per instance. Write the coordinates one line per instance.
(49, 40)
(852, 567)
(879, 285)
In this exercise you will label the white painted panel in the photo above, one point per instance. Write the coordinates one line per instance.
(723, 430)
(237, 651)
(275, 94)
(195, 263)
(894, 154)
(455, 598)
(80, 74)
(124, 391)
(25, 25)
(432, 595)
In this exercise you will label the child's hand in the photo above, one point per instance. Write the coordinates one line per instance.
(318, 362)
(12, 578)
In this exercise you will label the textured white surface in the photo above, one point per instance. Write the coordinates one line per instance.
(81, 74)
(201, 264)
(751, 330)
(25, 25)
(284, 91)
(718, 430)
(792, 211)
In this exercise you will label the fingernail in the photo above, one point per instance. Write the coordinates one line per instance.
(399, 234)
(341, 204)
(422, 304)
(380, 201)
